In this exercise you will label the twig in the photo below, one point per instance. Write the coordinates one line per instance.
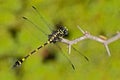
(87, 35)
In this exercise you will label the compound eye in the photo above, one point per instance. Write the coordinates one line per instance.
(66, 33)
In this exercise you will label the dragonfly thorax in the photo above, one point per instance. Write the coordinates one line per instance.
(58, 34)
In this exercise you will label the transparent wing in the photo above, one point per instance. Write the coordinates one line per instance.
(43, 19)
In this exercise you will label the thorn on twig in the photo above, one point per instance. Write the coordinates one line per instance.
(69, 48)
(107, 49)
(81, 29)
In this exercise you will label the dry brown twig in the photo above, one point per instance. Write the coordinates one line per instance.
(87, 35)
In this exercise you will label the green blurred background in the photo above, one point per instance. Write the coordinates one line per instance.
(18, 37)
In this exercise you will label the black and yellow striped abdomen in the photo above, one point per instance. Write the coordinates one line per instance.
(19, 62)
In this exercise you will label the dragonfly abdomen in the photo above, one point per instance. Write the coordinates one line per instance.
(19, 62)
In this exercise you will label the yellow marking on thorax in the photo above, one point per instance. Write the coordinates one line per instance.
(51, 38)
(61, 32)
(55, 35)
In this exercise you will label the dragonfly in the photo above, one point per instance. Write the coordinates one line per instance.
(55, 36)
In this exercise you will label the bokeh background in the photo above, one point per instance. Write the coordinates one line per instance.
(18, 37)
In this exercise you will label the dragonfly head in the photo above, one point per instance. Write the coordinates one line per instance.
(64, 31)
(58, 34)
